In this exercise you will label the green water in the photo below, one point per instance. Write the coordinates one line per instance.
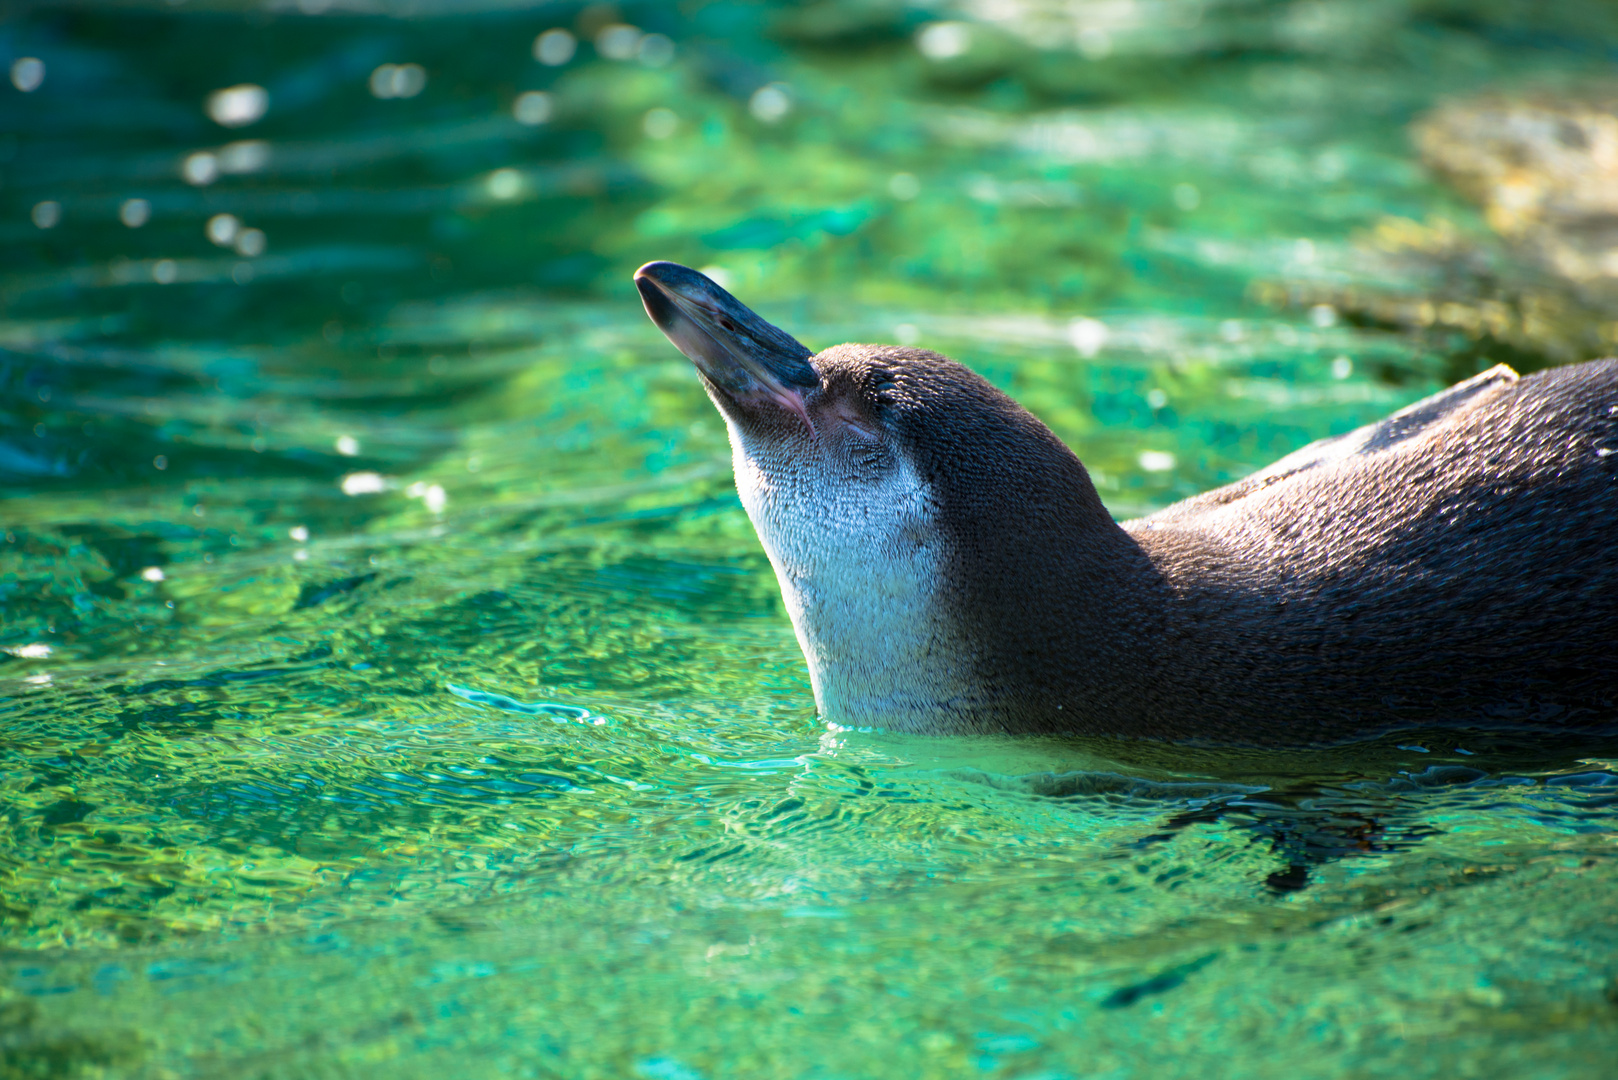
(394, 684)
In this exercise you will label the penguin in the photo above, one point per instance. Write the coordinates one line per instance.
(949, 567)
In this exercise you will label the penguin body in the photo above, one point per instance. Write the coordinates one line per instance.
(949, 567)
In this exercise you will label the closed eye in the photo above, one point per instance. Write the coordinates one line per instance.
(861, 428)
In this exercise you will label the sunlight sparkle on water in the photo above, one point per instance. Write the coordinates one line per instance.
(618, 41)
(431, 495)
(222, 229)
(251, 243)
(134, 212)
(363, 483)
(28, 74)
(555, 47)
(200, 168)
(532, 108)
(1087, 335)
(655, 50)
(660, 123)
(721, 277)
(944, 40)
(504, 184)
(243, 156)
(238, 106)
(31, 651)
(770, 103)
(398, 80)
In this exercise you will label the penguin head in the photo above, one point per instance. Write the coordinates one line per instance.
(901, 498)
(786, 403)
(823, 470)
(860, 409)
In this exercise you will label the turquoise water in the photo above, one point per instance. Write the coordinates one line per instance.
(394, 686)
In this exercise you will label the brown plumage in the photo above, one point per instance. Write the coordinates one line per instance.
(1453, 564)
(1450, 566)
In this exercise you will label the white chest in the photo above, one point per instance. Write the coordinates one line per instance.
(859, 561)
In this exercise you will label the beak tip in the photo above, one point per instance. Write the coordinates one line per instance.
(715, 329)
(660, 272)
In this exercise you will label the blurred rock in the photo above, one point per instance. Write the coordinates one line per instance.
(1545, 171)
(1543, 168)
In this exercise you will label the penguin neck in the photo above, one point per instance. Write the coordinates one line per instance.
(863, 570)
(939, 600)
(1063, 609)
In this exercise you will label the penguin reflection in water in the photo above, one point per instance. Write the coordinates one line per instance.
(949, 567)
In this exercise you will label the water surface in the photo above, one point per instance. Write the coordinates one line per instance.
(395, 687)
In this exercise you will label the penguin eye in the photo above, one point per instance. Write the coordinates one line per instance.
(862, 429)
(885, 387)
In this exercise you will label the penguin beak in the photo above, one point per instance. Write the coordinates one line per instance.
(744, 357)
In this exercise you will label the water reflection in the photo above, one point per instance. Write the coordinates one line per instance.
(238, 106)
(46, 215)
(28, 73)
(134, 212)
(398, 81)
(554, 47)
(533, 108)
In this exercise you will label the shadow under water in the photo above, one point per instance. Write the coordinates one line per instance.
(1314, 806)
